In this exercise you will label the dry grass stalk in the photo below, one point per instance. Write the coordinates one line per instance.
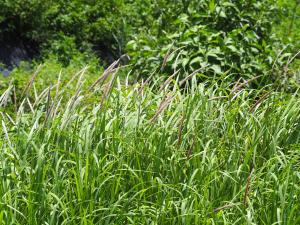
(109, 87)
(9, 118)
(238, 87)
(105, 74)
(30, 83)
(228, 206)
(168, 81)
(55, 110)
(120, 67)
(30, 105)
(190, 76)
(41, 97)
(75, 97)
(247, 187)
(80, 73)
(163, 105)
(237, 94)
(177, 58)
(4, 97)
(21, 109)
(167, 56)
(260, 100)
(237, 83)
(189, 152)
(141, 89)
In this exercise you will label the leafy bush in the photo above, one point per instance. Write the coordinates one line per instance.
(214, 38)
(220, 36)
(92, 24)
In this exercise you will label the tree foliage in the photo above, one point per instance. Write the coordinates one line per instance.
(219, 36)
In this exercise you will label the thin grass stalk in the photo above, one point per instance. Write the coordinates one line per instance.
(31, 81)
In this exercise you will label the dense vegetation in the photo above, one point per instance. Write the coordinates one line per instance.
(218, 36)
(133, 156)
(151, 112)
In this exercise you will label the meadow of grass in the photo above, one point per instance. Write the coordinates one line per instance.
(149, 153)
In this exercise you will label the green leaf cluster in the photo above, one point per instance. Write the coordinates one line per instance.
(57, 25)
(219, 36)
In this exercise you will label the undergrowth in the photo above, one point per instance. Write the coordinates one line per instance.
(149, 153)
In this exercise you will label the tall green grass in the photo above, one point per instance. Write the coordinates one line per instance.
(117, 153)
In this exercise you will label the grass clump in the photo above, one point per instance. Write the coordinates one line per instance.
(115, 153)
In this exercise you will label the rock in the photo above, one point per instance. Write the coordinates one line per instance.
(11, 55)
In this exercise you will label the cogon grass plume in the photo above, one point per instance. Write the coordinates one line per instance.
(192, 157)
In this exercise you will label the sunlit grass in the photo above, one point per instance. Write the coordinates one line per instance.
(128, 154)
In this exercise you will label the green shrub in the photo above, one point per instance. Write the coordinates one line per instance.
(220, 36)
(89, 23)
